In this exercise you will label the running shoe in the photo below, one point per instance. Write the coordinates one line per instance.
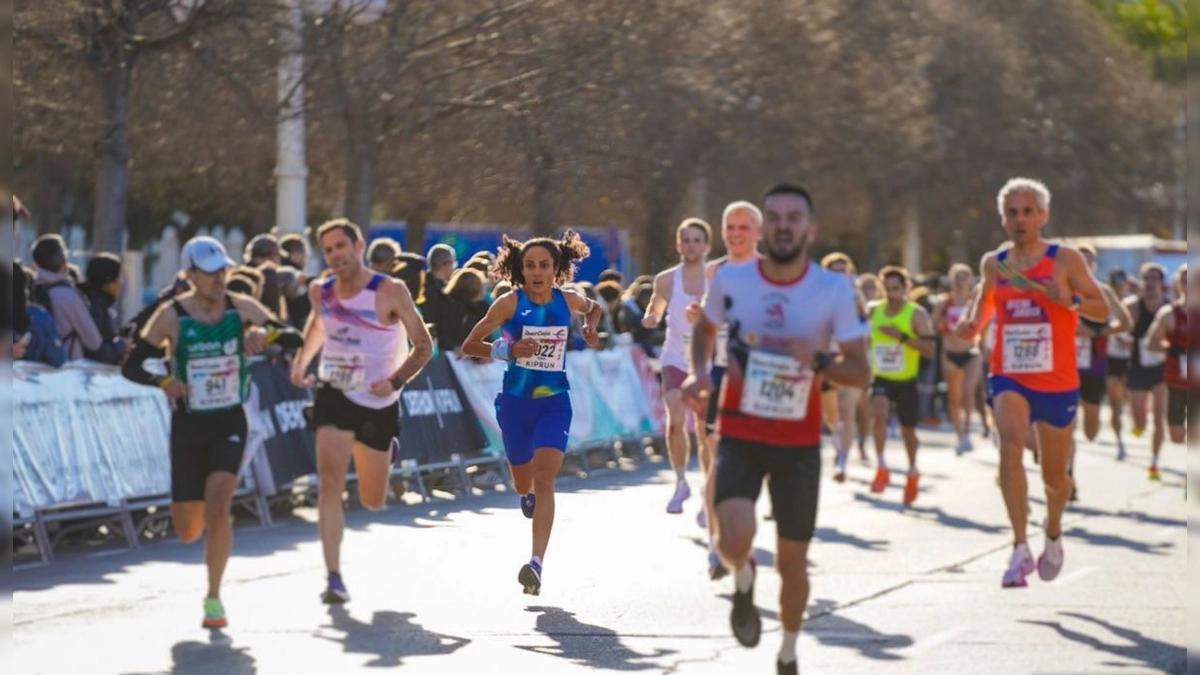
(1020, 566)
(682, 492)
(528, 502)
(792, 668)
(747, 625)
(964, 444)
(702, 518)
(214, 614)
(1050, 562)
(1153, 474)
(882, 478)
(335, 590)
(910, 488)
(530, 578)
(1121, 454)
(716, 570)
(1138, 431)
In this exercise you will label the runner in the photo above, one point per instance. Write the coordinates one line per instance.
(781, 312)
(363, 323)
(1169, 333)
(1119, 349)
(534, 407)
(867, 286)
(1033, 289)
(204, 331)
(676, 292)
(1092, 349)
(961, 362)
(840, 404)
(1146, 366)
(741, 229)
(901, 332)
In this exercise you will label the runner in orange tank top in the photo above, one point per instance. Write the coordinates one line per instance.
(1033, 289)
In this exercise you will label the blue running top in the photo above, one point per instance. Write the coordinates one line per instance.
(545, 373)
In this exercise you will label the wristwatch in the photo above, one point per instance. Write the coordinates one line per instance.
(397, 383)
(821, 361)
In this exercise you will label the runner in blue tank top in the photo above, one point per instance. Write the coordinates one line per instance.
(534, 408)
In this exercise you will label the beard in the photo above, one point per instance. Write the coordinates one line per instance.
(789, 254)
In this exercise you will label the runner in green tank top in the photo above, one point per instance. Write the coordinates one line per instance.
(205, 332)
(901, 332)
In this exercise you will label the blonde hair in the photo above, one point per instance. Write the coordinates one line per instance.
(742, 205)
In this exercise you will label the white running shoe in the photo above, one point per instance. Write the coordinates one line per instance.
(1020, 566)
(682, 492)
(1050, 562)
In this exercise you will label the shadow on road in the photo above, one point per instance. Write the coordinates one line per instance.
(585, 644)
(835, 630)
(1097, 539)
(216, 657)
(390, 637)
(936, 513)
(1130, 644)
(832, 535)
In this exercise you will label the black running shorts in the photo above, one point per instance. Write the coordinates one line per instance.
(203, 444)
(1140, 378)
(1118, 367)
(373, 427)
(1092, 387)
(1177, 407)
(904, 397)
(795, 483)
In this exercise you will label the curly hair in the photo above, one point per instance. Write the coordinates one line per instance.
(565, 252)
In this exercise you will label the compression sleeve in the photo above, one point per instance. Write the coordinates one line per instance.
(279, 333)
(134, 369)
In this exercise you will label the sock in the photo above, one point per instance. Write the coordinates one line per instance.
(879, 462)
(787, 650)
(912, 471)
(743, 578)
(536, 563)
(842, 456)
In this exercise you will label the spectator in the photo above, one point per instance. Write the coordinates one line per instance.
(387, 256)
(263, 253)
(637, 299)
(247, 281)
(442, 263)
(41, 343)
(382, 254)
(179, 286)
(102, 287)
(295, 257)
(611, 275)
(465, 307)
(20, 315)
(609, 295)
(57, 294)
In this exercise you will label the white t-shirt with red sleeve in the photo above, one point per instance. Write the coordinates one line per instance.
(767, 396)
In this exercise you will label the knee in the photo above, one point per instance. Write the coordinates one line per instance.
(189, 532)
(1178, 434)
(543, 481)
(734, 542)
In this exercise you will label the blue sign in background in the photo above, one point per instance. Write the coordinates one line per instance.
(607, 244)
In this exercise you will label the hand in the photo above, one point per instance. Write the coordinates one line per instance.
(175, 390)
(966, 330)
(1057, 293)
(128, 341)
(523, 348)
(255, 341)
(693, 312)
(892, 332)
(650, 321)
(20, 346)
(382, 388)
(590, 336)
(801, 350)
(696, 391)
(300, 378)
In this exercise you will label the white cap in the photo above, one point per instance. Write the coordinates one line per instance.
(205, 254)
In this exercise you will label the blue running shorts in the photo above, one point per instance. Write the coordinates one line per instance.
(530, 423)
(1055, 408)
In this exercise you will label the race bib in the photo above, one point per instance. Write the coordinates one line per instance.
(1120, 346)
(775, 387)
(213, 383)
(1148, 358)
(721, 353)
(954, 316)
(347, 372)
(889, 358)
(551, 351)
(1027, 348)
(1083, 353)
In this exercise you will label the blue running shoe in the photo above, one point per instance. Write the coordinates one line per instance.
(335, 590)
(528, 502)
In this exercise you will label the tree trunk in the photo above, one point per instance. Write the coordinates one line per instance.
(360, 174)
(55, 185)
(418, 217)
(546, 207)
(881, 231)
(658, 235)
(112, 176)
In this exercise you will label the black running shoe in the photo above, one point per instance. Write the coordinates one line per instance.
(335, 590)
(792, 668)
(716, 569)
(530, 578)
(747, 625)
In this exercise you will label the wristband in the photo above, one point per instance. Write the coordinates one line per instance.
(166, 380)
(903, 338)
(500, 349)
(1076, 300)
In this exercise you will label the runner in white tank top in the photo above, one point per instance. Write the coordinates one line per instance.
(363, 324)
(677, 292)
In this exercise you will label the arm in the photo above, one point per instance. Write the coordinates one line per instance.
(1120, 322)
(500, 311)
(400, 301)
(1164, 322)
(851, 368)
(924, 341)
(68, 304)
(1092, 303)
(981, 311)
(591, 315)
(162, 329)
(314, 339)
(658, 301)
(255, 313)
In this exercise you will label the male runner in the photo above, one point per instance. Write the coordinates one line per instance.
(676, 292)
(1034, 289)
(901, 332)
(782, 312)
(204, 332)
(1169, 333)
(1146, 366)
(363, 323)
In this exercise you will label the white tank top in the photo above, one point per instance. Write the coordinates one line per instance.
(677, 347)
(358, 348)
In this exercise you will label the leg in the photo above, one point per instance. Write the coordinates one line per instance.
(334, 448)
(830, 413)
(188, 520)
(735, 531)
(1012, 425)
(1091, 420)
(677, 440)
(848, 398)
(880, 408)
(522, 476)
(910, 446)
(1138, 403)
(972, 376)
(1055, 445)
(544, 467)
(865, 421)
(792, 561)
(1160, 421)
(218, 501)
(1116, 401)
(954, 396)
(373, 468)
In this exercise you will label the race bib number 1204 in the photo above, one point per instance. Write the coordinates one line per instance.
(775, 387)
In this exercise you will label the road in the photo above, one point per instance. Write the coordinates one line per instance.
(625, 587)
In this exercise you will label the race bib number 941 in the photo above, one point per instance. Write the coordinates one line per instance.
(551, 350)
(1027, 348)
(775, 387)
(213, 383)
